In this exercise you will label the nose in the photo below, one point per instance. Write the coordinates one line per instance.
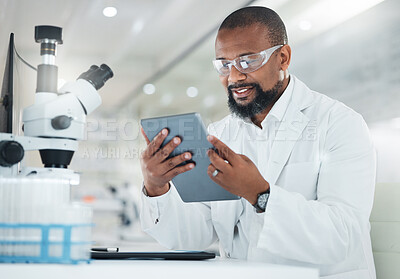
(235, 75)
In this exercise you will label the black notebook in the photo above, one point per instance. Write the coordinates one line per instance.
(174, 255)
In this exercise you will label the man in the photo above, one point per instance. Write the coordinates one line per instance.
(303, 164)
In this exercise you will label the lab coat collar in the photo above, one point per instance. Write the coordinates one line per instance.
(290, 130)
(302, 95)
(279, 108)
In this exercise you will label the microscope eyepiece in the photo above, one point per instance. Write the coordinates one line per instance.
(97, 76)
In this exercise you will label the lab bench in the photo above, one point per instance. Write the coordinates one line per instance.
(99, 269)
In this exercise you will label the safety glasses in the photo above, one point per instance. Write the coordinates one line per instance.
(244, 64)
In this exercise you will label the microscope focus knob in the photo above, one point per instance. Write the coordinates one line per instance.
(61, 122)
(11, 153)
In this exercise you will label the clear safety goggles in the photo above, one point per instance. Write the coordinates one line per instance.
(244, 64)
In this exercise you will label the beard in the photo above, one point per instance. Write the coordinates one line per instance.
(261, 101)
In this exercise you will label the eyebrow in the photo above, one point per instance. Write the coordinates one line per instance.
(243, 54)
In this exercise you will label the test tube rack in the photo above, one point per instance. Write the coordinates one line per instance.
(39, 223)
(44, 249)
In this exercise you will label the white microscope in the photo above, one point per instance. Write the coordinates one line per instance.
(56, 121)
(38, 221)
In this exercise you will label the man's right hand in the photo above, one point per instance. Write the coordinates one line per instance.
(157, 168)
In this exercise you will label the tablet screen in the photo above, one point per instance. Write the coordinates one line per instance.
(194, 185)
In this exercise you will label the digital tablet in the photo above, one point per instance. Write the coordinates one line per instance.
(174, 255)
(194, 185)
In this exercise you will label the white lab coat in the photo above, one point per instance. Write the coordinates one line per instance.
(321, 170)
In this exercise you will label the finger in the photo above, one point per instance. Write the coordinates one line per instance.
(215, 176)
(173, 162)
(164, 152)
(178, 170)
(212, 170)
(145, 136)
(156, 142)
(217, 161)
(223, 150)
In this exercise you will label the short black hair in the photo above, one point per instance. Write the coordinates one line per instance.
(247, 16)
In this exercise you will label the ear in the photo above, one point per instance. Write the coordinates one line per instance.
(285, 56)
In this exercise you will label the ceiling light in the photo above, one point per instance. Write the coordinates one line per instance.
(110, 11)
(192, 92)
(149, 89)
(305, 25)
(329, 13)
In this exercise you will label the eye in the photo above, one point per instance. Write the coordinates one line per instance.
(250, 61)
(225, 63)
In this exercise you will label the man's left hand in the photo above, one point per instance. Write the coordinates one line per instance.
(236, 172)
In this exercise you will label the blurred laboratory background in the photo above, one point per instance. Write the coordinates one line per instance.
(161, 52)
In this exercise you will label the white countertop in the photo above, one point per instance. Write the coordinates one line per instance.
(215, 268)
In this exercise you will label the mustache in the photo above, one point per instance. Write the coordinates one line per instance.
(238, 85)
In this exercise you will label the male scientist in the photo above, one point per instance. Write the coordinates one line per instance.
(302, 163)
